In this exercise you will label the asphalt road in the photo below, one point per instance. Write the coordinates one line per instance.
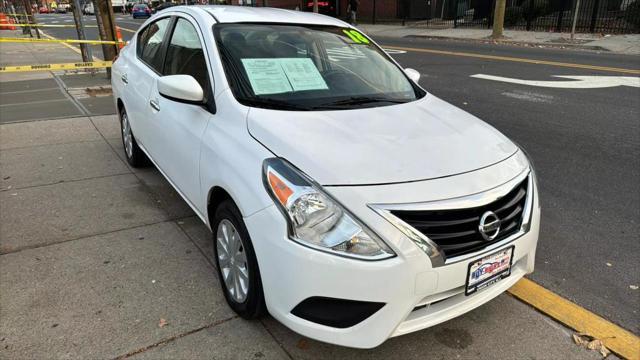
(585, 145)
(127, 24)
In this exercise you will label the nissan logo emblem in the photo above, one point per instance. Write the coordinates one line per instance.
(489, 225)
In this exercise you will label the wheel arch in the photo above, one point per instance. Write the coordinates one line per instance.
(215, 197)
(119, 105)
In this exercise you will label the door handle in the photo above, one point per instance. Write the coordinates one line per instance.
(124, 78)
(154, 104)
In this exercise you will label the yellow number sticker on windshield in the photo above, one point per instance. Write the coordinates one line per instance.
(356, 36)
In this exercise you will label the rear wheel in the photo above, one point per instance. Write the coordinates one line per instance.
(135, 156)
(236, 262)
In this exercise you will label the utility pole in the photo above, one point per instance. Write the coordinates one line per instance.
(315, 6)
(498, 19)
(77, 17)
(34, 22)
(575, 19)
(106, 27)
(27, 19)
(373, 18)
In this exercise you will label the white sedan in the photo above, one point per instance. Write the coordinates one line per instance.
(343, 198)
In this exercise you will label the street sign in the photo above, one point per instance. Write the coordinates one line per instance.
(578, 82)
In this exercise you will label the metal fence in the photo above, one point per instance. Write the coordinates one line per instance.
(595, 16)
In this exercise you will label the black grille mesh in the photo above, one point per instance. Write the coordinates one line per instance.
(456, 231)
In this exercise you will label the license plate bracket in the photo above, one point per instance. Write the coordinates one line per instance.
(488, 270)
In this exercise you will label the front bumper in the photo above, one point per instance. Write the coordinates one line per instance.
(416, 294)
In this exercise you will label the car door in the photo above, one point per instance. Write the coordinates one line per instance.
(140, 76)
(177, 127)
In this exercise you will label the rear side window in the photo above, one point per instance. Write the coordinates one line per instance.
(150, 43)
(185, 55)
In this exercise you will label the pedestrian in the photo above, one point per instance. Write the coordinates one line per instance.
(352, 10)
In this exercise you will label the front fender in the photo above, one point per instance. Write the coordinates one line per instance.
(231, 159)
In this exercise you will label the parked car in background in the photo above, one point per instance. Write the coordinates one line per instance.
(43, 10)
(61, 9)
(141, 11)
(88, 9)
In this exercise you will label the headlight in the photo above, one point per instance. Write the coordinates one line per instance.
(315, 219)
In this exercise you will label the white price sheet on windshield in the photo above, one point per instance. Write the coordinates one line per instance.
(274, 76)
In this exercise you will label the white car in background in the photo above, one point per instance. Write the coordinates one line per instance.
(344, 199)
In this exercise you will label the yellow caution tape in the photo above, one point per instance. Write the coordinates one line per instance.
(70, 41)
(26, 15)
(47, 25)
(66, 66)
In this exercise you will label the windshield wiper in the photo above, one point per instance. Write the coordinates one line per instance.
(359, 100)
(274, 104)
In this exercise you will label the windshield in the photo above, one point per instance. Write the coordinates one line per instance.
(299, 67)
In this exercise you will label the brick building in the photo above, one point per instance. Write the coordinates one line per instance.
(385, 9)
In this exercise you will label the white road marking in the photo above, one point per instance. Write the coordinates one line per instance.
(529, 96)
(579, 82)
(394, 51)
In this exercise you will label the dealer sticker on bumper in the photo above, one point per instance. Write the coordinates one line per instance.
(489, 270)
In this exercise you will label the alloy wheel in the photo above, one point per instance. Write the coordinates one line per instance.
(232, 260)
(127, 137)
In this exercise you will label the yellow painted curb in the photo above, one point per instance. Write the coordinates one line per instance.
(72, 48)
(618, 340)
(522, 60)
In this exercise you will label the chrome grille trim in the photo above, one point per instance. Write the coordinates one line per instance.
(432, 249)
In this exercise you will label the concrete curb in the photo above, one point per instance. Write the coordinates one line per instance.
(513, 42)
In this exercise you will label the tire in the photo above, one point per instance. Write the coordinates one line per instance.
(248, 304)
(135, 156)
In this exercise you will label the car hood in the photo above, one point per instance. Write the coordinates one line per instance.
(420, 140)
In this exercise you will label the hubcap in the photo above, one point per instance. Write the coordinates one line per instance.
(127, 137)
(232, 260)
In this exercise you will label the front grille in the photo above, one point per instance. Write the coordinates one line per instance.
(456, 231)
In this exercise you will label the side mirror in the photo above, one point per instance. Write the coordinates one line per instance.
(181, 88)
(412, 74)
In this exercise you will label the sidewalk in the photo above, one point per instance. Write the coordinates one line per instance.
(623, 44)
(37, 95)
(31, 54)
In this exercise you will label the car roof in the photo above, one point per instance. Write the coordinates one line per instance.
(240, 14)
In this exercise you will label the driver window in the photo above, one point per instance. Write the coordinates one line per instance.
(150, 43)
(185, 55)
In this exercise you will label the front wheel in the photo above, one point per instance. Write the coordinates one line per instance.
(236, 262)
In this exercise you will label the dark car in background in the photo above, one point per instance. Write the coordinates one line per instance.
(141, 10)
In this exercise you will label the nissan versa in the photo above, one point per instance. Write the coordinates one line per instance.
(343, 198)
